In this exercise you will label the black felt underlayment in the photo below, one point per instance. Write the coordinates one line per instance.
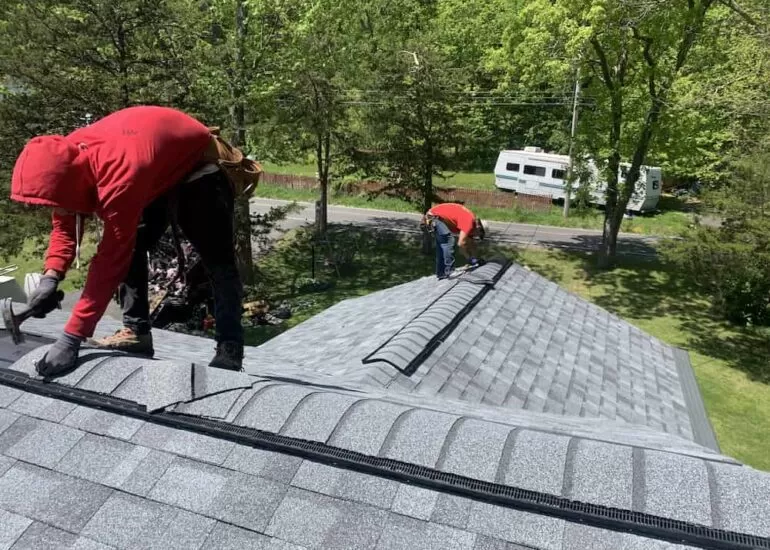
(603, 517)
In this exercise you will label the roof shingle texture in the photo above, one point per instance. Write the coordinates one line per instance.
(114, 475)
(90, 477)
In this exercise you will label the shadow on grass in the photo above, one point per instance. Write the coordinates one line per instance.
(641, 289)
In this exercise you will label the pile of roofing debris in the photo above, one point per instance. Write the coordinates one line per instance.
(184, 302)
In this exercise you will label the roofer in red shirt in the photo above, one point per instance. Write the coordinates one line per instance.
(447, 220)
(131, 169)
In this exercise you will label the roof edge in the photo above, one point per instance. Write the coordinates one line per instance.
(703, 430)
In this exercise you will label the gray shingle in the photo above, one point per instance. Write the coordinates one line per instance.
(276, 466)
(677, 487)
(602, 474)
(193, 445)
(316, 416)
(541, 532)
(216, 406)
(109, 374)
(50, 497)
(537, 462)
(632, 542)
(12, 526)
(403, 349)
(187, 530)
(742, 494)
(229, 537)
(240, 499)
(39, 406)
(487, 543)
(140, 478)
(318, 521)
(38, 441)
(127, 521)
(270, 407)
(6, 419)
(581, 537)
(5, 464)
(452, 510)
(345, 484)
(403, 532)
(103, 423)
(365, 426)
(8, 395)
(417, 437)
(95, 458)
(40, 536)
(474, 449)
(414, 501)
(190, 485)
(160, 384)
(83, 543)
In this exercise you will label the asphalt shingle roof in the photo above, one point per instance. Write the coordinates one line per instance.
(78, 477)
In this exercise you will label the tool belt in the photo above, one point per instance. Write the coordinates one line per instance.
(242, 173)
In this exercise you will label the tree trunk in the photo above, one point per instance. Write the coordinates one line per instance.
(611, 227)
(427, 197)
(323, 157)
(237, 113)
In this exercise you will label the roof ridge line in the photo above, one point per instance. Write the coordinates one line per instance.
(604, 517)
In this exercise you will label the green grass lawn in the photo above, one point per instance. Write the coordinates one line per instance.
(730, 363)
(670, 222)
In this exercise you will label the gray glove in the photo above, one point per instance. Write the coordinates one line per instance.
(45, 298)
(61, 358)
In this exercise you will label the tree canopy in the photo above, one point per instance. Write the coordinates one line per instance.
(403, 90)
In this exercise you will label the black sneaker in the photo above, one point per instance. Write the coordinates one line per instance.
(229, 356)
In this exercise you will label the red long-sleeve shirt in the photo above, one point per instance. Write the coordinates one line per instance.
(113, 168)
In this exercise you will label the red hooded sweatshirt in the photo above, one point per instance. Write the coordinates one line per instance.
(113, 168)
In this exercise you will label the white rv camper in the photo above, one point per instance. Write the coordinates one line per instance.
(534, 172)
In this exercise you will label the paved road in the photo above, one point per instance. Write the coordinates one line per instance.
(511, 233)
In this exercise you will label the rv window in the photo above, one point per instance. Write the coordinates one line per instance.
(534, 170)
(558, 174)
(512, 167)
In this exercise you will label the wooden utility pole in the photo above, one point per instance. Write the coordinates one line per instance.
(570, 170)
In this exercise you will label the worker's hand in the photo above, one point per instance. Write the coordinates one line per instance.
(61, 358)
(45, 298)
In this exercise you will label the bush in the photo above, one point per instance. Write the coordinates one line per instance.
(732, 262)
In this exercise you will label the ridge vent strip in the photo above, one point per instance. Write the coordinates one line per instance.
(603, 517)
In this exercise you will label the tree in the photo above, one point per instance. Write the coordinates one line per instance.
(732, 262)
(241, 41)
(93, 57)
(314, 93)
(634, 53)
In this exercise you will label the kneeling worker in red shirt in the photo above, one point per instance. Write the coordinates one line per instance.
(131, 169)
(447, 220)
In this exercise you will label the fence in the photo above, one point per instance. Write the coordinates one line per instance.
(471, 197)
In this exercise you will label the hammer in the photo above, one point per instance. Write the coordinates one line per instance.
(13, 321)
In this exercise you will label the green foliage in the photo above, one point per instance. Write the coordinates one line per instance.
(732, 262)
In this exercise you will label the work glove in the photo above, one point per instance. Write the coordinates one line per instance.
(61, 357)
(45, 298)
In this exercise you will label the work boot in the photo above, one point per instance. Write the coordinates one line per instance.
(229, 356)
(128, 341)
